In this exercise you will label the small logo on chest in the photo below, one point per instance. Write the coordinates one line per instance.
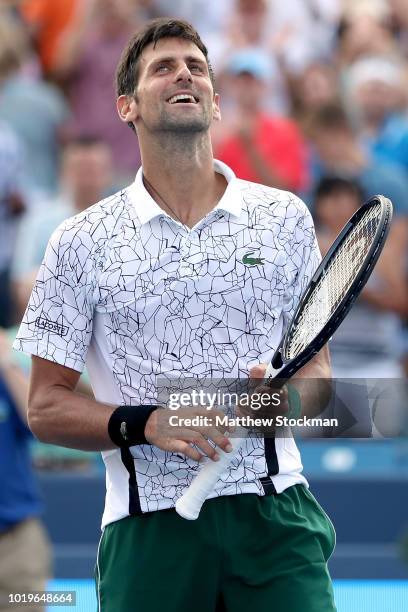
(248, 260)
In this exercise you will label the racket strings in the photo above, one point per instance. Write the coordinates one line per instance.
(334, 282)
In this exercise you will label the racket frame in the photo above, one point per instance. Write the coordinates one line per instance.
(189, 504)
(291, 366)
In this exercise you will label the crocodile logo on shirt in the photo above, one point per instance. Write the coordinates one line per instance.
(247, 260)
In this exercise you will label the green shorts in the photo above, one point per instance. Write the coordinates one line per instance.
(244, 552)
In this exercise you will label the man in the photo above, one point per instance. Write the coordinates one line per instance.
(86, 176)
(260, 146)
(48, 24)
(12, 207)
(367, 345)
(24, 549)
(158, 281)
(376, 90)
(40, 131)
(85, 63)
(337, 150)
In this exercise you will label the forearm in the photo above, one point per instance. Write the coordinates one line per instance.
(307, 393)
(69, 419)
(313, 384)
(314, 394)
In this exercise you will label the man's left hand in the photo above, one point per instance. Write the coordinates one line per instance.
(266, 401)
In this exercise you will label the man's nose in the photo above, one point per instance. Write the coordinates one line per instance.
(183, 73)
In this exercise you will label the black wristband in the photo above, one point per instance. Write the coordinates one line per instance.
(127, 424)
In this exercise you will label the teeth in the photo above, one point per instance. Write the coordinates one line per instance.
(174, 99)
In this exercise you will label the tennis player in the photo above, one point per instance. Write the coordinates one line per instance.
(188, 272)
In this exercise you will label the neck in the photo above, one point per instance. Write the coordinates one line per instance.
(180, 171)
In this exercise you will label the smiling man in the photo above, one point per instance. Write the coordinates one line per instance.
(188, 273)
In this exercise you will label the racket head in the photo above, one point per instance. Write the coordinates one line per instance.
(377, 212)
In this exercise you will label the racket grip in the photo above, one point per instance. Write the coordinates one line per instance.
(189, 504)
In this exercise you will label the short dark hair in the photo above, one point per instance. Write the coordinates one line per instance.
(127, 71)
(329, 117)
(333, 185)
(85, 141)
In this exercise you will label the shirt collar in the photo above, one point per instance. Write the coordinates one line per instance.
(147, 209)
(231, 201)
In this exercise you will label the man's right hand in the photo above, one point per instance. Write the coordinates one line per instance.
(180, 438)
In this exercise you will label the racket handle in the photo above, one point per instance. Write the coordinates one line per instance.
(189, 504)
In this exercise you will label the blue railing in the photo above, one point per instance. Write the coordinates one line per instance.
(351, 595)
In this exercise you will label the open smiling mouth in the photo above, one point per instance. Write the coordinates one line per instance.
(183, 99)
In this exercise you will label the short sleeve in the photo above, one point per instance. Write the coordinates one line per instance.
(57, 324)
(305, 258)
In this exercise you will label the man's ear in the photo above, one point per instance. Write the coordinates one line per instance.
(127, 108)
(216, 107)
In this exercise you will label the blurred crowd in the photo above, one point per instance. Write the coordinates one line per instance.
(314, 99)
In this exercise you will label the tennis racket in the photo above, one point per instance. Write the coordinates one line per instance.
(326, 301)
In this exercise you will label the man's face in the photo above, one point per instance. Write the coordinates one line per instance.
(377, 99)
(249, 91)
(87, 169)
(331, 145)
(174, 92)
(333, 211)
(318, 86)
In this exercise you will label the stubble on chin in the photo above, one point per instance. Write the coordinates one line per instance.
(182, 123)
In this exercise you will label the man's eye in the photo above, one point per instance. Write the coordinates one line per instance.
(196, 68)
(162, 68)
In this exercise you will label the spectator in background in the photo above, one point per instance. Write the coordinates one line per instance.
(367, 344)
(365, 29)
(246, 27)
(302, 32)
(337, 150)
(86, 178)
(399, 20)
(12, 207)
(316, 86)
(86, 62)
(47, 23)
(210, 16)
(35, 110)
(377, 98)
(293, 34)
(24, 548)
(261, 147)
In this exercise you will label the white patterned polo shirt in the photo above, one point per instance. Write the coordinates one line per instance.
(136, 296)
